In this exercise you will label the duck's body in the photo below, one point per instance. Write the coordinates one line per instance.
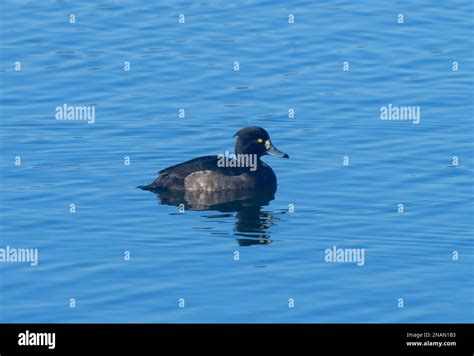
(208, 174)
(204, 174)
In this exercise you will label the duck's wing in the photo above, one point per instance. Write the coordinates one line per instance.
(173, 178)
(190, 166)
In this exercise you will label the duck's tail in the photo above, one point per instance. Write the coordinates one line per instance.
(146, 187)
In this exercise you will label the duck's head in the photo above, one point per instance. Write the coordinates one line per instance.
(255, 140)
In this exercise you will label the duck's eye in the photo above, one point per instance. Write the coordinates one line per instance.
(260, 140)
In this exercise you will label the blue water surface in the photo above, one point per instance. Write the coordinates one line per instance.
(347, 174)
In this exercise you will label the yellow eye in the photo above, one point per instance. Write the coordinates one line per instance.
(260, 140)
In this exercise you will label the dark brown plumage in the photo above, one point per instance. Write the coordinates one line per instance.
(205, 173)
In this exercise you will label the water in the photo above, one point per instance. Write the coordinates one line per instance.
(282, 66)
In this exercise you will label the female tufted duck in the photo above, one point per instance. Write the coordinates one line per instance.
(215, 173)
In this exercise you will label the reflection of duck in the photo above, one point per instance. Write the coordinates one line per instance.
(223, 201)
(252, 224)
(209, 174)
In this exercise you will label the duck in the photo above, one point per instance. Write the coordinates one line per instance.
(242, 171)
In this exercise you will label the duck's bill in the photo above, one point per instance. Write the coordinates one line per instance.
(275, 152)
